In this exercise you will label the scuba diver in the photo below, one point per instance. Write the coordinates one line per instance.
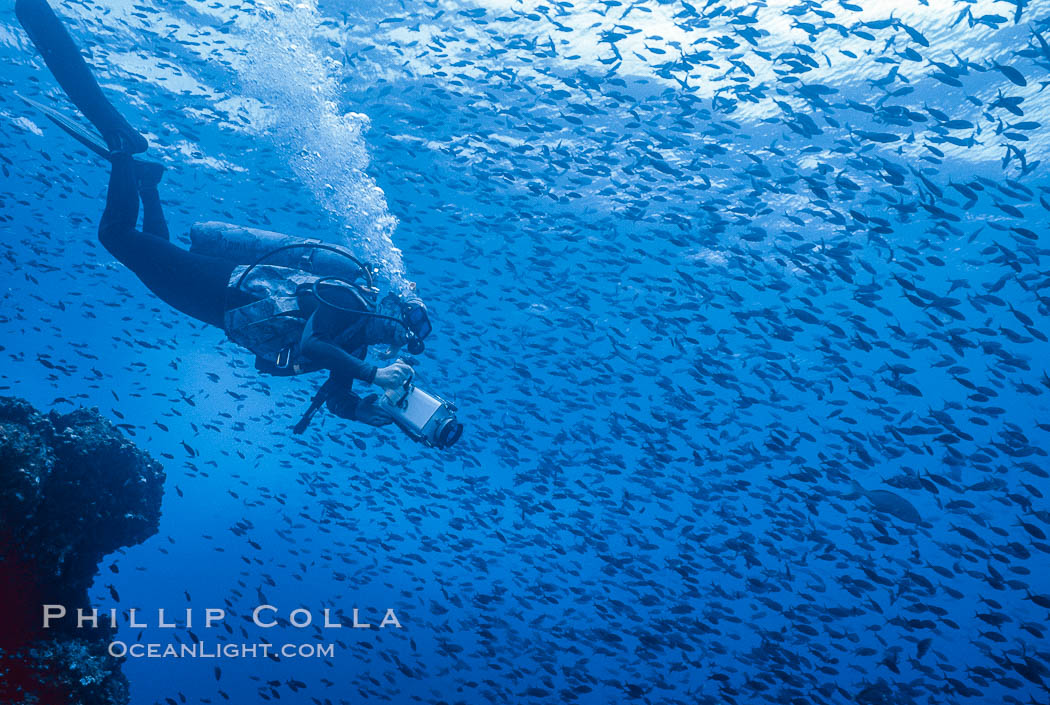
(299, 305)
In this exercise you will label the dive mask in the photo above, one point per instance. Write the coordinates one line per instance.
(414, 314)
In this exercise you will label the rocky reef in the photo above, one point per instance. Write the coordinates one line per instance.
(72, 490)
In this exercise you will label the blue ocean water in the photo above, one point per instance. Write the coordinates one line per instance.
(708, 281)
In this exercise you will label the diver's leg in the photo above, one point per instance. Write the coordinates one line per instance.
(122, 205)
(148, 175)
(188, 282)
(67, 65)
(153, 222)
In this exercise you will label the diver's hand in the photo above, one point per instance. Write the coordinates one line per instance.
(393, 376)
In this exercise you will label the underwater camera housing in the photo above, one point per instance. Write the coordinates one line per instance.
(425, 417)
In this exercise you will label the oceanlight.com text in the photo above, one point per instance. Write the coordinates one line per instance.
(120, 649)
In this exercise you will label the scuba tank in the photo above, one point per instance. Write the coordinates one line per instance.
(244, 245)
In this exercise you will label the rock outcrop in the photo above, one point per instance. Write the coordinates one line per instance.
(72, 490)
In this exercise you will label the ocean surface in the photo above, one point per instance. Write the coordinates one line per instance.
(744, 306)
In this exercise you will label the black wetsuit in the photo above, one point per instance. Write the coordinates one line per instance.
(198, 286)
(194, 284)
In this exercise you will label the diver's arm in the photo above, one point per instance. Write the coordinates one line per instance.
(332, 357)
(342, 364)
(346, 366)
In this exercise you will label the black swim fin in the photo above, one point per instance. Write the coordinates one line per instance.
(68, 67)
(148, 174)
(81, 134)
